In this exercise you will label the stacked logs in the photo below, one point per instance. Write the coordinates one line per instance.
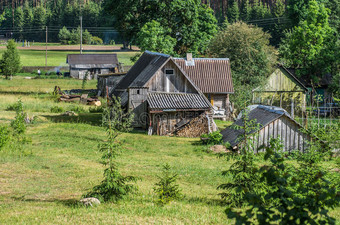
(195, 128)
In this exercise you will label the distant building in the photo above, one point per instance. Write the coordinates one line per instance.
(94, 64)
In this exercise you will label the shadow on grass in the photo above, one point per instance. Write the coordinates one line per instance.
(204, 200)
(94, 119)
(72, 203)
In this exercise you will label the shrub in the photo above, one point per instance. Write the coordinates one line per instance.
(19, 124)
(213, 138)
(57, 109)
(15, 106)
(166, 189)
(97, 40)
(112, 42)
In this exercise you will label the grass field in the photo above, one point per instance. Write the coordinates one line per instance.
(58, 58)
(62, 163)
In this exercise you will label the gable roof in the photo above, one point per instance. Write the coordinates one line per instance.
(142, 71)
(74, 59)
(177, 101)
(211, 75)
(263, 116)
(293, 77)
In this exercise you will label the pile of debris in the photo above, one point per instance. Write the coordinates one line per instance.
(83, 98)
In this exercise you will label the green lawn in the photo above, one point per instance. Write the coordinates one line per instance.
(62, 163)
(58, 58)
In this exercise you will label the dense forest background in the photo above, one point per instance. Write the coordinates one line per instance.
(27, 19)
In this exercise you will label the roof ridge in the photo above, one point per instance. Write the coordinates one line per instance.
(203, 58)
(156, 53)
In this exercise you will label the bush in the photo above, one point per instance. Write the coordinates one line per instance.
(112, 42)
(214, 138)
(14, 107)
(97, 40)
(166, 189)
(57, 109)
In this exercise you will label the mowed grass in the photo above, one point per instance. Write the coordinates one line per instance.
(63, 162)
(58, 58)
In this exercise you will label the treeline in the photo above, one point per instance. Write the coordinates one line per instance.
(28, 20)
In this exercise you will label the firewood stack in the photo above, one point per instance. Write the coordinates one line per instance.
(195, 128)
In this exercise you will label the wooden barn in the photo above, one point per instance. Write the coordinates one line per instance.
(163, 98)
(213, 77)
(94, 64)
(280, 89)
(274, 122)
(108, 82)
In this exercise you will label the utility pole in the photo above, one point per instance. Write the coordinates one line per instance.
(46, 51)
(81, 34)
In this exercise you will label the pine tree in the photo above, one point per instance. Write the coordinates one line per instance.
(19, 21)
(246, 11)
(10, 62)
(234, 13)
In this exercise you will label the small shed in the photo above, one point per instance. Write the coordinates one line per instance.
(274, 122)
(280, 89)
(109, 82)
(94, 64)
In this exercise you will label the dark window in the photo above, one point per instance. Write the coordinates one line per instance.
(138, 92)
(169, 71)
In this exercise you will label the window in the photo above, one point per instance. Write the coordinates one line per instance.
(138, 92)
(169, 71)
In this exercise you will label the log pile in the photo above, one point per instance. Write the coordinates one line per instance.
(195, 128)
(76, 98)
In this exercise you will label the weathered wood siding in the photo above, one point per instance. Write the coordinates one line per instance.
(285, 129)
(162, 82)
(137, 104)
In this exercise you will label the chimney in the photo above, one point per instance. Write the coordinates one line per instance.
(189, 57)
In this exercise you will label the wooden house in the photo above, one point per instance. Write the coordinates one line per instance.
(280, 89)
(274, 122)
(213, 77)
(93, 64)
(163, 98)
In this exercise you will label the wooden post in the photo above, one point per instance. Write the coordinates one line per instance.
(292, 108)
(46, 50)
(281, 100)
(81, 34)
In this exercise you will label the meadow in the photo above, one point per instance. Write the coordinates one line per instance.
(58, 58)
(62, 163)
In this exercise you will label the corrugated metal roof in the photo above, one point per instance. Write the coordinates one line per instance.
(74, 59)
(262, 115)
(177, 101)
(210, 75)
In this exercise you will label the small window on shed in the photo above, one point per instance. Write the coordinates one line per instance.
(138, 92)
(169, 71)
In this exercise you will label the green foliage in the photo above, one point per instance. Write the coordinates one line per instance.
(114, 185)
(73, 37)
(234, 13)
(154, 37)
(297, 195)
(311, 46)
(214, 138)
(85, 78)
(78, 109)
(251, 57)
(243, 172)
(96, 109)
(57, 109)
(19, 124)
(10, 62)
(245, 11)
(166, 188)
(97, 40)
(4, 136)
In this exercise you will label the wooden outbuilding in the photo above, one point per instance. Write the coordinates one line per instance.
(163, 98)
(274, 122)
(281, 89)
(108, 82)
(213, 77)
(93, 64)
